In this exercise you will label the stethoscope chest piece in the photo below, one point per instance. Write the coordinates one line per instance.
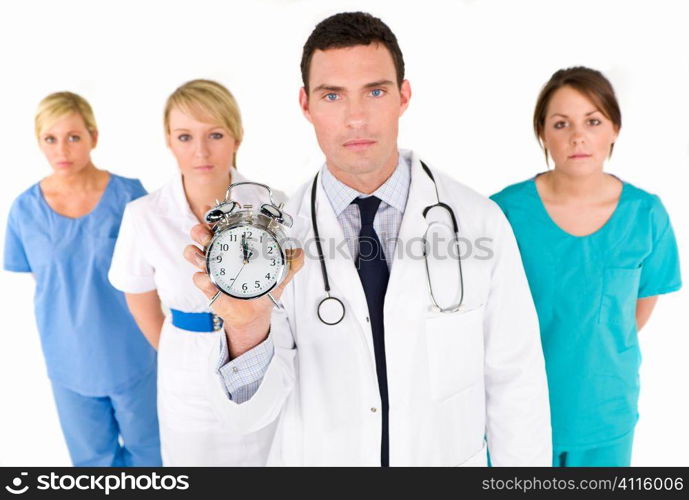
(331, 310)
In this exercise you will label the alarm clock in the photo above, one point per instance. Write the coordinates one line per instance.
(246, 258)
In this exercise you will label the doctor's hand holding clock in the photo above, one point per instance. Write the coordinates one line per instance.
(245, 267)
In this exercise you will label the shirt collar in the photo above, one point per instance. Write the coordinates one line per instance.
(179, 199)
(394, 190)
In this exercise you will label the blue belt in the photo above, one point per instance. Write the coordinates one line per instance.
(196, 322)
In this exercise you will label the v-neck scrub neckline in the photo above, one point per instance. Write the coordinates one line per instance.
(101, 201)
(606, 225)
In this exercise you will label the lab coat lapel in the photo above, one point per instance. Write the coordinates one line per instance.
(408, 269)
(344, 279)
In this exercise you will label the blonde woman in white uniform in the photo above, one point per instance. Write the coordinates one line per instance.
(203, 130)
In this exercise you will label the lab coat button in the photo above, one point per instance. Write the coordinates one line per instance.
(373, 410)
(368, 319)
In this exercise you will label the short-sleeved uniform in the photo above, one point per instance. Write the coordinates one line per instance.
(585, 290)
(98, 361)
(149, 256)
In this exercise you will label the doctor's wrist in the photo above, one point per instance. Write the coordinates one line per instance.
(244, 338)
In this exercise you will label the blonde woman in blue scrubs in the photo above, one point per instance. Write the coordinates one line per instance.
(62, 230)
(597, 252)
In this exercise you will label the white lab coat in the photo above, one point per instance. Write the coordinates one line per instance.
(454, 380)
(148, 256)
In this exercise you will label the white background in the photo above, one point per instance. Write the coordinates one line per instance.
(475, 69)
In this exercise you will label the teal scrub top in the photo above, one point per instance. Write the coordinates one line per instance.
(585, 289)
(91, 342)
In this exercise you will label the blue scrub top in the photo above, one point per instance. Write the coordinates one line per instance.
(585, 290)
(90, 340)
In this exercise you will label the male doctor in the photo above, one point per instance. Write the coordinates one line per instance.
(397, 381)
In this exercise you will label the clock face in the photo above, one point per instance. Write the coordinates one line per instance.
(245, 262)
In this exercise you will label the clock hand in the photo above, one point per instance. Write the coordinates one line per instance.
(234, 280)
(245, 249)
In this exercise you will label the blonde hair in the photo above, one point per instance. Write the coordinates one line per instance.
(60, 104)
(204, 99)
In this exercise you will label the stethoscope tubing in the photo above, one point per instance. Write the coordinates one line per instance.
(329, 299)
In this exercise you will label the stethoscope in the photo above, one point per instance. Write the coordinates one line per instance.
(331, 310)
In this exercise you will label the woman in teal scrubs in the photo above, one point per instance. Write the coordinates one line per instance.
(597, 252)
(63, 230)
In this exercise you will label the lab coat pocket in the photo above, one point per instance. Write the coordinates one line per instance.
(454, 343)
(618, 304)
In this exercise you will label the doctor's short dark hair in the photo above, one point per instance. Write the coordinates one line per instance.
(587, 81)
(349, 29)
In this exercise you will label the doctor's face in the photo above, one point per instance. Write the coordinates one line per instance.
(578, 136)
(354, 104)
(204, 151)
(67, 144)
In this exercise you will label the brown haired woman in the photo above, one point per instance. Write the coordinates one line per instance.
(597, 252)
